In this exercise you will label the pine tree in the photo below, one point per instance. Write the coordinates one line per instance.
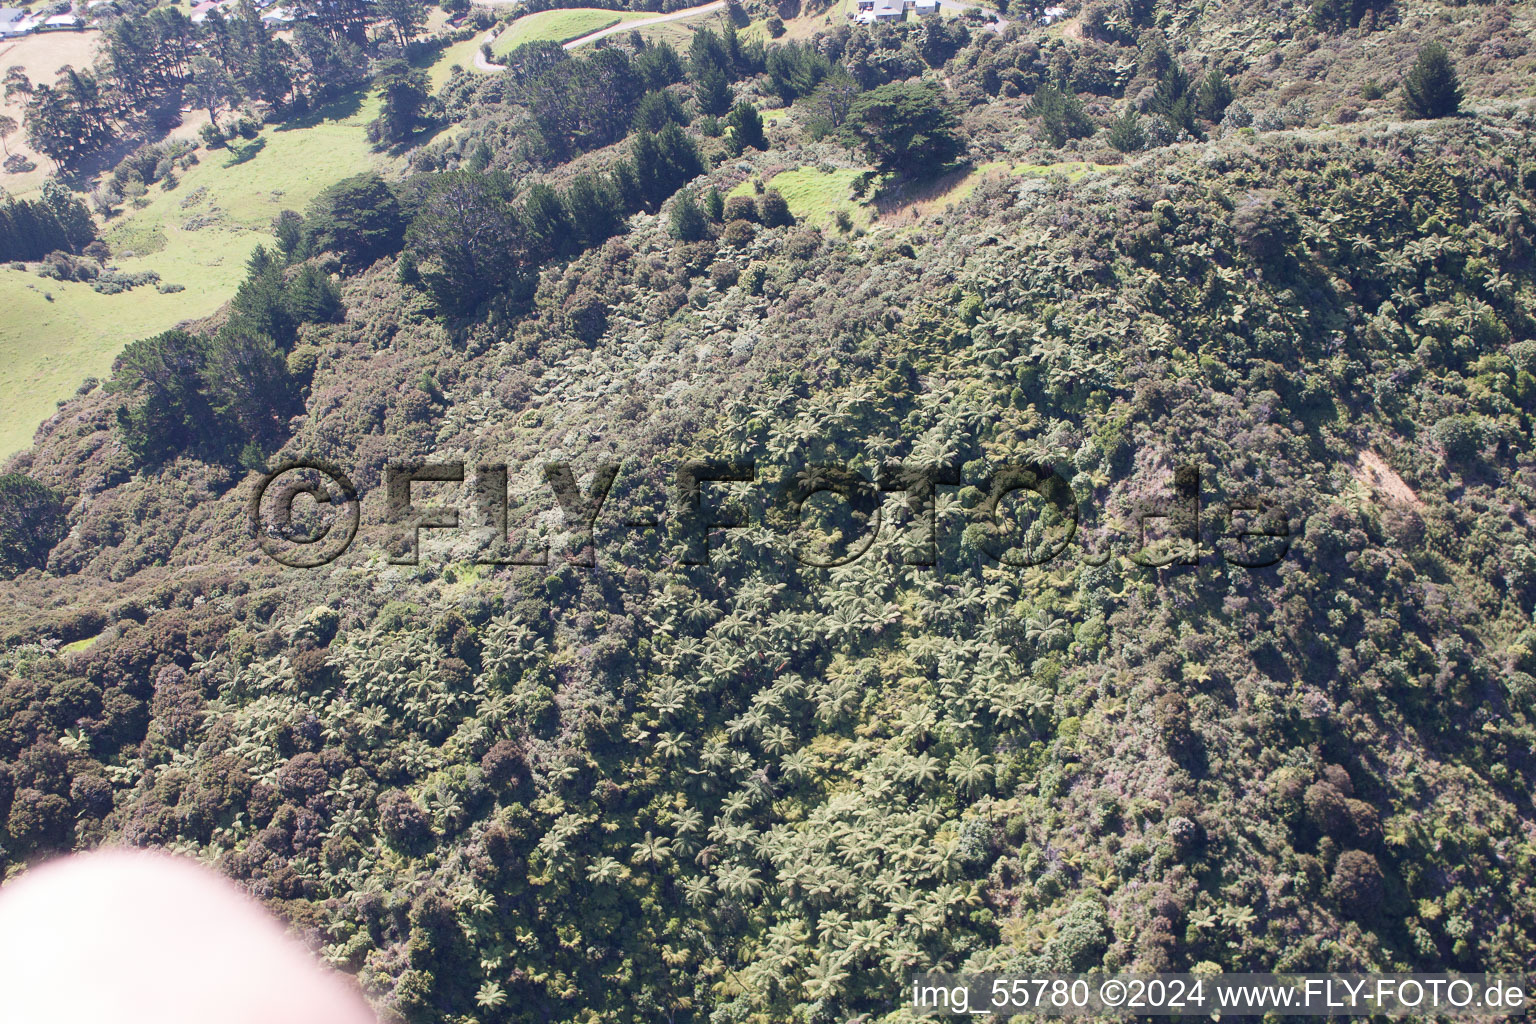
(1126, 133)
(1174, 98)
(748, 124)
(713, 92)
(1061, 114)
(1214, 97)
(1432, 88)
(688, 220)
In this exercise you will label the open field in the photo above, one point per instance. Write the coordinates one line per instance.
(42, 56)
(560, 26)
(461, 53)
(680, 33)
(197, 235)
(814, 196)
(56, 334)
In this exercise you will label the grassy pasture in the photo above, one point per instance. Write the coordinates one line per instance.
(679, 33)
(42, 56)
(814, 196)
(561, 26)
(55, 334)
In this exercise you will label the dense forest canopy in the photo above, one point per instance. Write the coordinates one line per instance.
(681, 759)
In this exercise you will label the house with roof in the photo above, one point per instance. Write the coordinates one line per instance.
(871, 11)
(62, 23)
(13, 22)
(202, 9)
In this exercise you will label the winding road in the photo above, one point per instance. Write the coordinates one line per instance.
(481, 64)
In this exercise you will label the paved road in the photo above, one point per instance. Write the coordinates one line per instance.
(481, 64)
(628, 25)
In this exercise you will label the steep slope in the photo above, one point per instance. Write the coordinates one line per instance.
(758, 789)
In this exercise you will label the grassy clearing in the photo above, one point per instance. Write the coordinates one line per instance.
(561, 26)
(197, 235)
(814, 196)
(56, 334)
(956, 189)
(906, 205)
(79, 646)
(41, 56)
(461, 53)
(679, 34)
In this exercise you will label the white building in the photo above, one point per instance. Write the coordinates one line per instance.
(13, 22)
(870, 11)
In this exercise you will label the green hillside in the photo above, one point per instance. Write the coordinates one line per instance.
(887, 499)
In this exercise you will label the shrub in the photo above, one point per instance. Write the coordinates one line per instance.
(723, 274)
(737, 233)
(1357, 883)
(1325, 808)
(773, 209)
(505, 764)
(739, 208)
(1265, 227)
(1174, 722)
(1460, 437)
(586, 314)
(402, 821)
(1082, 938)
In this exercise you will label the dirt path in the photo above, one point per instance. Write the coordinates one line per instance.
(481, 64)
(593, 37)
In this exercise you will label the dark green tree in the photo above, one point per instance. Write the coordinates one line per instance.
(594, 208)
(211, 88)
(906, 127)
(1175, 98)
(657, 110)
(406, 17)
(1126, 132)
(688, 221)
(826, 110)
(467, 241)
(712, 92)
(358, 218)
(546, 223)
(1061, 115)
(1214, 96)
(167, 412)
(247, 382)
(32, 521)
(747, 123)
(1432, 88)
(407, 99)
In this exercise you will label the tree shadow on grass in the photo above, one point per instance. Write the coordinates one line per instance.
(896, 195)
(247, 152)
(337, 110)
